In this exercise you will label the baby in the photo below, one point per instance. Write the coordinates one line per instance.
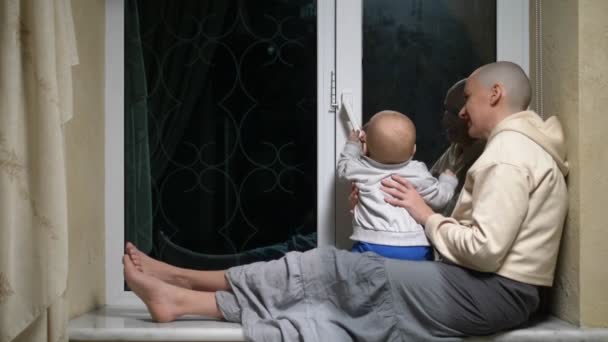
(388, 147)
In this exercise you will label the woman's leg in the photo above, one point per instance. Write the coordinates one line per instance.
(445, 300)
(182, 277)
(167, 302)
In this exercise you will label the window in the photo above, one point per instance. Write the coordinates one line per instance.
(221, 131)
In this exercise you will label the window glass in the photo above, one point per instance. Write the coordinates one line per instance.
(220, 129)
(414, 50)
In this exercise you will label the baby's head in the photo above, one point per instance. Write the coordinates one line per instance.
(390, 137)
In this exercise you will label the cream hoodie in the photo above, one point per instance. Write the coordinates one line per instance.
(510, 213)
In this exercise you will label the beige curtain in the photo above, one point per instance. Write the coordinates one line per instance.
(37, 52)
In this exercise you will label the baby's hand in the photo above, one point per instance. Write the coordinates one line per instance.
(363, 139)
(449, 173)
(354, 136)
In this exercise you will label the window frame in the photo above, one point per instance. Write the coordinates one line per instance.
(114, 144)
(338, 22)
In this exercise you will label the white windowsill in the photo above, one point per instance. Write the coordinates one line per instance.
(135, 324)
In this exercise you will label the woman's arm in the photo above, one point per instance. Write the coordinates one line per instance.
(483, 244)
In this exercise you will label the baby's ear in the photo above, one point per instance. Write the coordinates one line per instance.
(414, 150)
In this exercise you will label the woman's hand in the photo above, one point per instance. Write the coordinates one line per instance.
(353, 198)
(403, 194)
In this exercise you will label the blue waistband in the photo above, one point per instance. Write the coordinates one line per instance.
(395, 252)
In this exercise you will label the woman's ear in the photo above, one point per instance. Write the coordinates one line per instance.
(496, 94)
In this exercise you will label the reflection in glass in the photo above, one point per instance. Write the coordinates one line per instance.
(414, 50)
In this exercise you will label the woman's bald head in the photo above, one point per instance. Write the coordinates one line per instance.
(512, 78)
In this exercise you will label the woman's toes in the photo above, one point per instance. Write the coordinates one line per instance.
(131, 252)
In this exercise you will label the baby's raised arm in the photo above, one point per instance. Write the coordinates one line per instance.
(349, 158)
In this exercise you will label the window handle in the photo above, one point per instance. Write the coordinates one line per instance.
(346, 100)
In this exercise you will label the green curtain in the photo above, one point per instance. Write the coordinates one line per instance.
(138, 191)
(160, 98)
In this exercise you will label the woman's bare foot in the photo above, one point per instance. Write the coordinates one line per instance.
(167, 302)
(155, 268)
(159, 297)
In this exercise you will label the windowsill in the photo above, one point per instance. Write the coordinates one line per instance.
(135, 324)
(112, 323)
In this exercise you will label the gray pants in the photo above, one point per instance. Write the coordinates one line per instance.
(327, 294)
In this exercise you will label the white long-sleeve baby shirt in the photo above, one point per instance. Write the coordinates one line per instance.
(374, 220)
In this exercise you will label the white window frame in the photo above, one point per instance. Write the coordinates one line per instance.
(513, 32)
(114, 156)
(339, 42)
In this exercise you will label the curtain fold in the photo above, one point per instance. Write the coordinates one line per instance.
(37, 52)
(169, 48)
(138, 190)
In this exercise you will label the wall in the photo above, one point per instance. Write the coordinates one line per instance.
(593, 125)
(574, 74)
(560, 98)
(85, 162)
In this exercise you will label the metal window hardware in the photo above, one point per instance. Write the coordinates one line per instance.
(333, 105)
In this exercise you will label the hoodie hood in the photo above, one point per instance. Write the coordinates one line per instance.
(548, 134)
